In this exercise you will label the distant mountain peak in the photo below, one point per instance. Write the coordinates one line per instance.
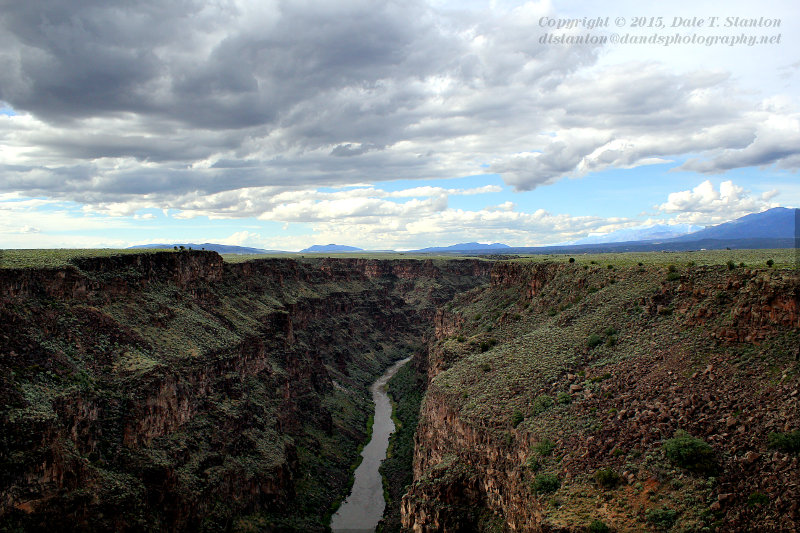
(774, 223)
(329, 248)
(465, 246)
(211, 247)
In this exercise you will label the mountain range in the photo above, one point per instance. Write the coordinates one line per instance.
(219, 248)
(778, 227)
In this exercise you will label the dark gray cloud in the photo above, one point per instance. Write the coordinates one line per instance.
(164, 99)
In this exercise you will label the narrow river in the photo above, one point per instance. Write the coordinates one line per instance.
(363, 509)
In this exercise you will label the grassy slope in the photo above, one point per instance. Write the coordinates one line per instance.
(515, 361)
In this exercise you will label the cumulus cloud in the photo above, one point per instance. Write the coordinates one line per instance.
(160, 104)
(707, 205)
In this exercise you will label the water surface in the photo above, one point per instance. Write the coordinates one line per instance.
(363, 509)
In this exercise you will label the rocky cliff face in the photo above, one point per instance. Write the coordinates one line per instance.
(555, 392)
(172, 391)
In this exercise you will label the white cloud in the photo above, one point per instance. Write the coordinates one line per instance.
(243, 238)
(705, 205)
(298, 96)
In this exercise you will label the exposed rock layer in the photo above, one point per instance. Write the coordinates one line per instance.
(519, 390)
(173, 391)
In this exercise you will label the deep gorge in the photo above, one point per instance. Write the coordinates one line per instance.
(173, 391)
(177, 392)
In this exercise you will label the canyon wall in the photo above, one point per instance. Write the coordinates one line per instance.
(174, 391)
(556, 393)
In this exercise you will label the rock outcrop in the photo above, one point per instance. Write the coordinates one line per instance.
(173, 391)
(553, 391)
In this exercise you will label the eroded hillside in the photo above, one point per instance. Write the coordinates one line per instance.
(172, 391)
(567, 397)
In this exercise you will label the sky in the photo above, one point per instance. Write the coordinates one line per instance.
(385, 124)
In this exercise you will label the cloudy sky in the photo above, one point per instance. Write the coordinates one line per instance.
(390, 124)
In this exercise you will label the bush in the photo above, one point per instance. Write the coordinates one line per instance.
(486, 345)
(661, 518)
(673, 276)
(486, 367)
(517, 417)
(546, 483)
(690, 453)
(564, 398)
(770, 263)
(544, 447)
(541, 404)
(731, 265)
(571, 259)
(534, 464)
(598, 527)
(671, 268)
(757, 499)
(594, 340)
(785, 442)
(607, 478)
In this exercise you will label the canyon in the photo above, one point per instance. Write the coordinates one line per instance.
(558, 394)
(177, 391)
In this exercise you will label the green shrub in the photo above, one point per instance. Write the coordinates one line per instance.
(594, 340)
(690, 453)
(731, 265)
(785, 442)
(757, 499)
(564, 398)
(611, 341)
(517, 417)
(546, 483)
(541, 404)
(533, 463)
(600, 377)
(552, 311)
(607, 478)
(544, 447)
(486, 345)
(486, 367)
(610, 330)
(673, 276)
(671, 268)
(571, 259)
(770, 263)
(598, 526)
(661, 518)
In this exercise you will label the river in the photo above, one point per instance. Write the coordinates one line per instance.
(363, 509)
